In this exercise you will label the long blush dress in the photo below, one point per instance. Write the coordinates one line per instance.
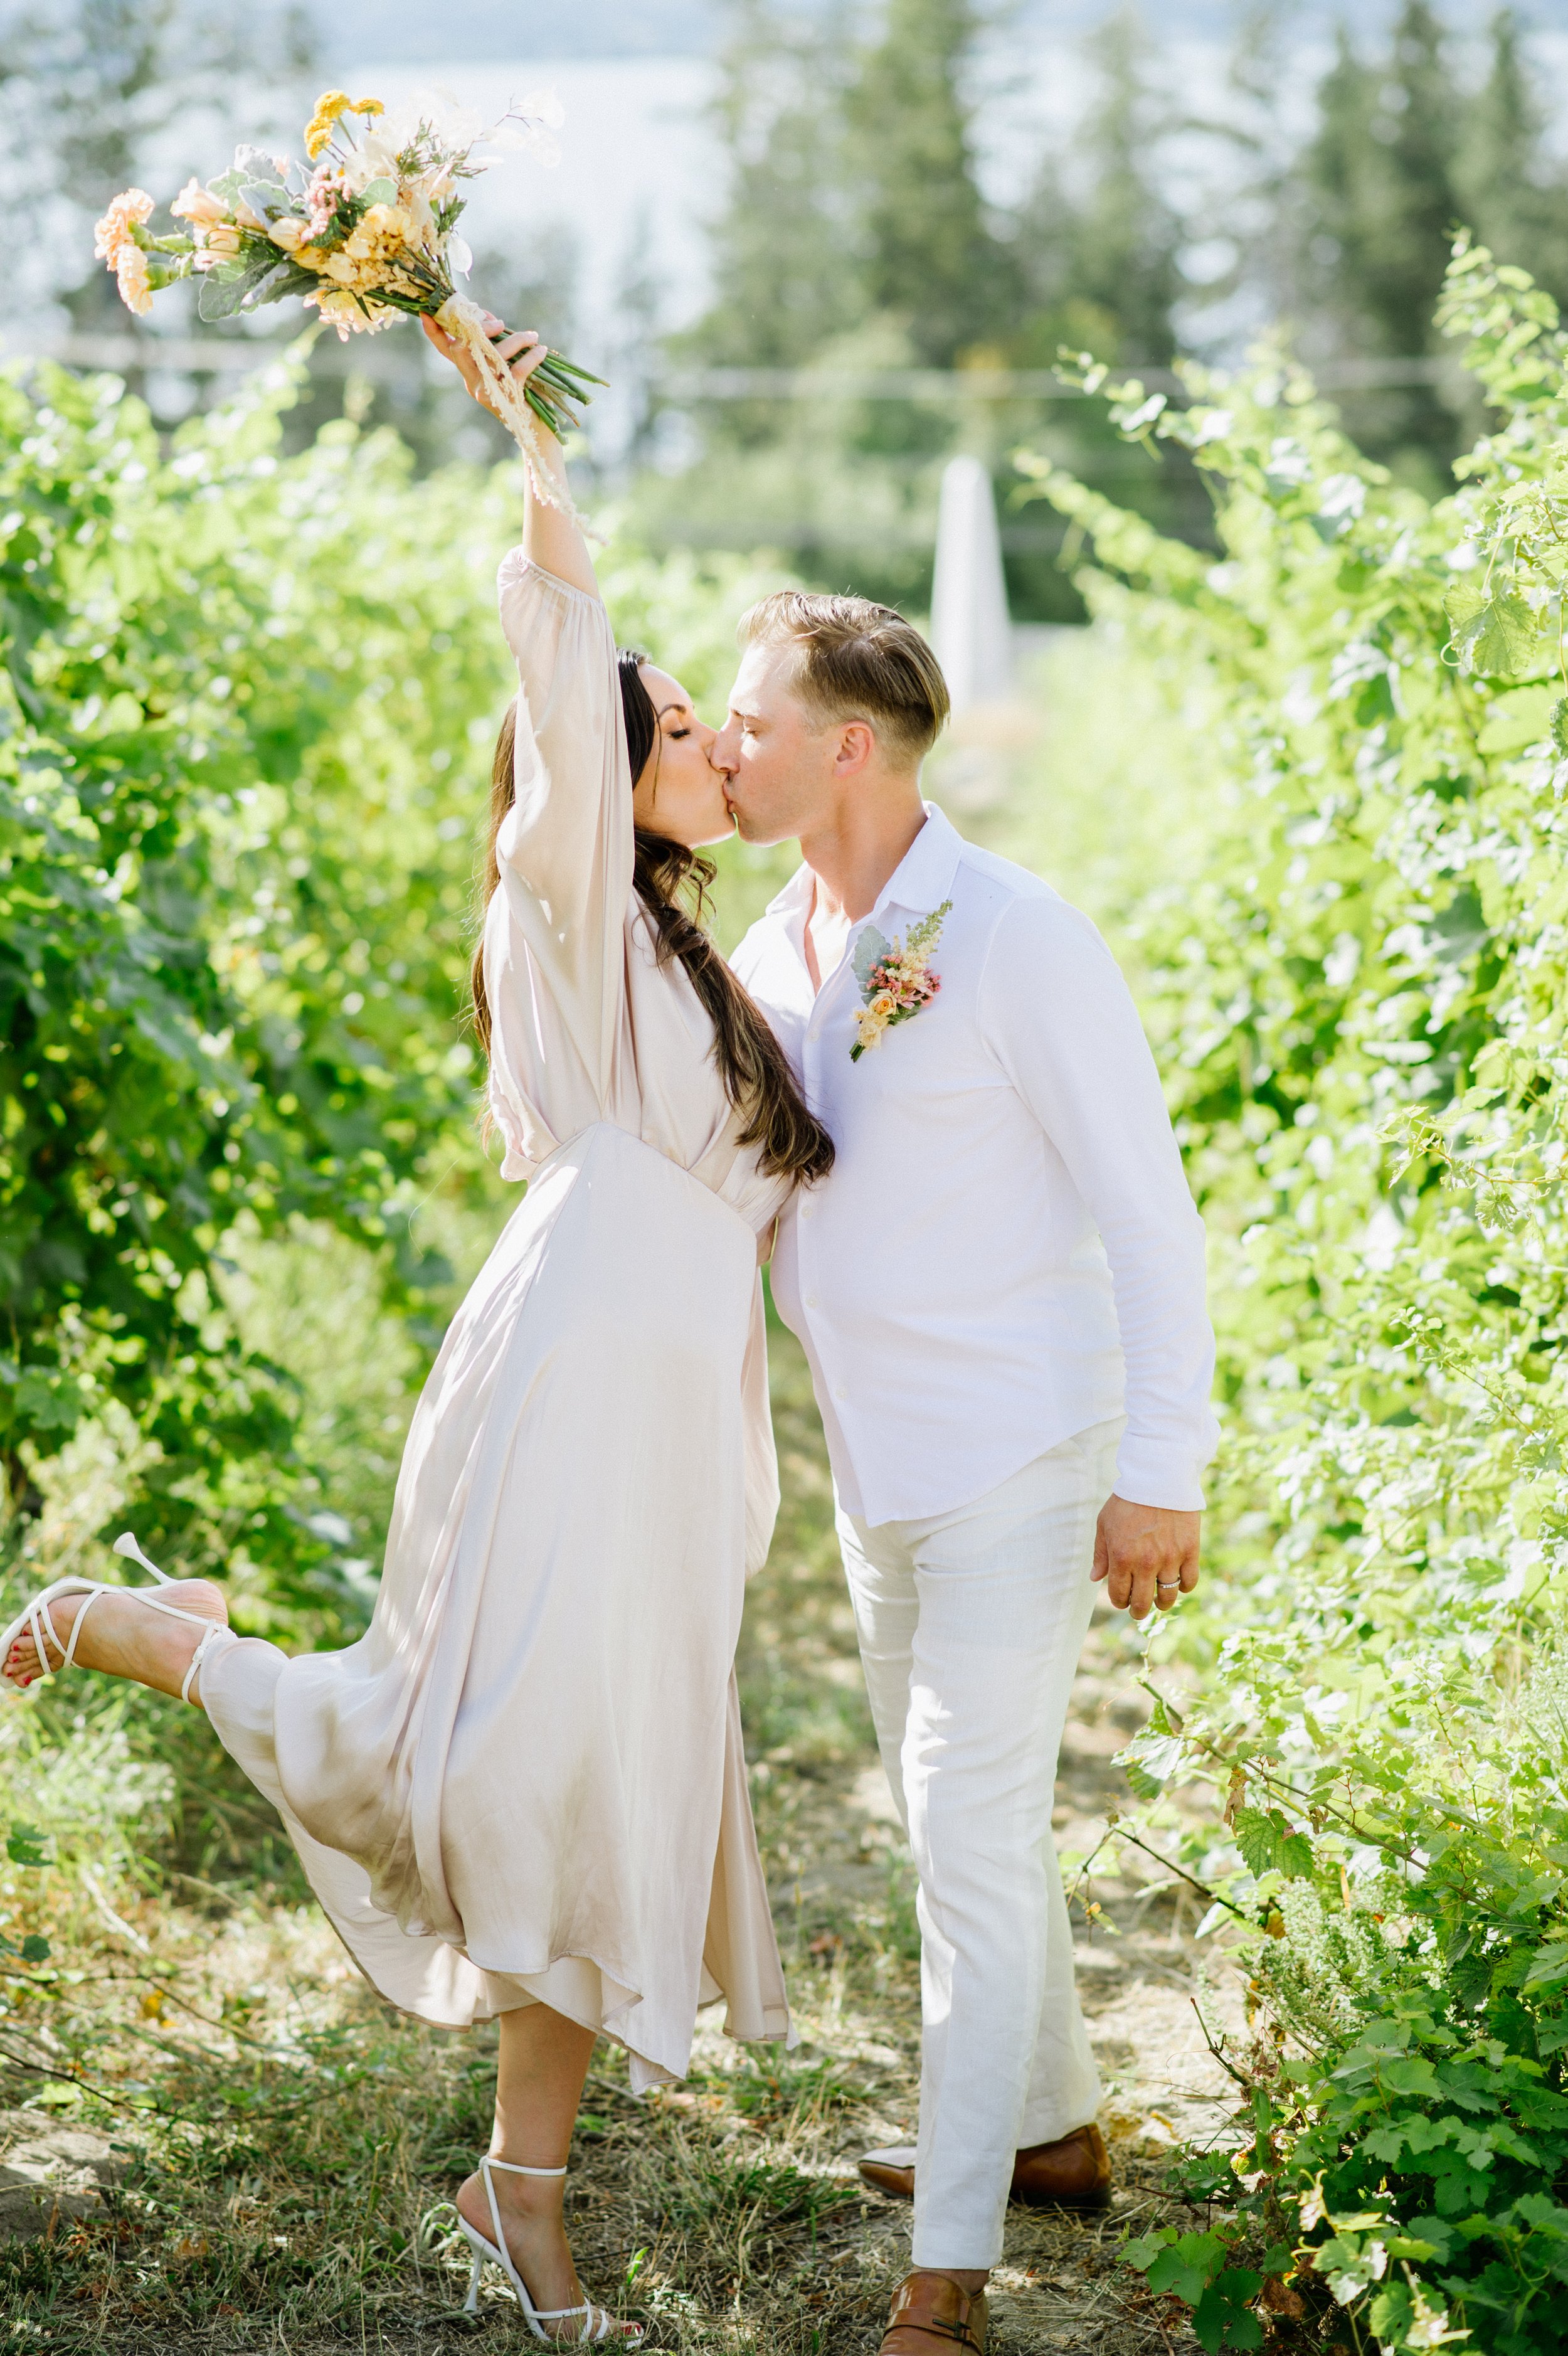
(526, 1782)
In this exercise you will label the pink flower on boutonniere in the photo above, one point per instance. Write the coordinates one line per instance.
(895, 978)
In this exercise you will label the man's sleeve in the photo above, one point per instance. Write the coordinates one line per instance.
(1059, 1018)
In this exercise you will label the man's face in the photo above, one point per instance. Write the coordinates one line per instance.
(781, 764)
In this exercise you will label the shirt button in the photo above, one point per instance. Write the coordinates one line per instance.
(811, 1300)
(805, 1210)
(841, 1393)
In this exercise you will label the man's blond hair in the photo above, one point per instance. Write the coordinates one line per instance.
(856, 660)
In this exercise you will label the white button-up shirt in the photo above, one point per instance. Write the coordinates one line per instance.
(1005, 1251)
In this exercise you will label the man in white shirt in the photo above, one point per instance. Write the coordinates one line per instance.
(1000, 1290)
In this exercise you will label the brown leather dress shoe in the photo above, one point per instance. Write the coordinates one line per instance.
(929, 2315)
(1074, 2172)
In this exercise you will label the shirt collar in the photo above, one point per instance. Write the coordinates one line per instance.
(923, 876)
(796, 893)
(920, 883)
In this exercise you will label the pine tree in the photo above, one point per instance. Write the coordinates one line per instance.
(1382, 181)
(855, 236)
(1249, 202)
(1097, 241)
(931, 256)
(784, 278)
(1117, 248)
(1513, 196)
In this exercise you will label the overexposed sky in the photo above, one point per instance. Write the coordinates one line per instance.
(473, 32)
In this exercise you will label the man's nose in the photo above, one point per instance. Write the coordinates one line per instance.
(721, 753)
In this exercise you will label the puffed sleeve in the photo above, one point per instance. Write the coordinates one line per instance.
(554, 938)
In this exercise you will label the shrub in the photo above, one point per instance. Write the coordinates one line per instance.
(1363, 1014)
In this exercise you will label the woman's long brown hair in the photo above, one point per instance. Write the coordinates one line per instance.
(752, 1064)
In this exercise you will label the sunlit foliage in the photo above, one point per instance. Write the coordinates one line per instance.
(1362, 1010)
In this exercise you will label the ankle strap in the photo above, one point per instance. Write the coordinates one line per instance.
(486, 2177)
(204, 1644)
(67, 1651)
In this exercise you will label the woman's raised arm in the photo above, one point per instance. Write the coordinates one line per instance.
(552, 537)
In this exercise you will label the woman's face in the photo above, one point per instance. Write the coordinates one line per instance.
(680, 793)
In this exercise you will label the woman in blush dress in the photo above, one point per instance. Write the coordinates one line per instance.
(522, 1793)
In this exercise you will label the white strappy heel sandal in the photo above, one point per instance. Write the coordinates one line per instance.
(34, 1620)
(598, 2323)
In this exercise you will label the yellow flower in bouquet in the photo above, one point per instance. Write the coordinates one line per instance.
(366, 232)
(318, 131)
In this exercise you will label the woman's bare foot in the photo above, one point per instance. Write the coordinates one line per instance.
(124, 1634)
(531, 2211)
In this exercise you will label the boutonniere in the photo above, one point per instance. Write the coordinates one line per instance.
(895, 978)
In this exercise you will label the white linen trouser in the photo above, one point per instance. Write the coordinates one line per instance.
(970, 1627)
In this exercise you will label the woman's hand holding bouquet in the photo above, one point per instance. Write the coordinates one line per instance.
(365, 232)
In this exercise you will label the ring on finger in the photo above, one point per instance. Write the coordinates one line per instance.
(1167, 1586)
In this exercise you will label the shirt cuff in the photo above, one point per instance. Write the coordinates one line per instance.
(1158, 1472)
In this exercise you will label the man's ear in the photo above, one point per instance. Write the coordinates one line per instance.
(855, 750)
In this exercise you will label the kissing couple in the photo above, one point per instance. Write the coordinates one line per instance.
(923, 1087)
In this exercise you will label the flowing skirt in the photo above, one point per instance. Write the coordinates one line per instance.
(526, 1781)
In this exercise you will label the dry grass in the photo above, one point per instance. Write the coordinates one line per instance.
(288, 2146)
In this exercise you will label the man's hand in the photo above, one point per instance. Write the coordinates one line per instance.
(1147, 1555)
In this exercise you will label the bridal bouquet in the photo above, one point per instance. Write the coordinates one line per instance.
(365, 230)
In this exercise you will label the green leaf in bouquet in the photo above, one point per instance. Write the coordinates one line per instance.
(255, 163)
(275, 282)
(232, 272)
(168, 270)
(268, 198)
(236, 285)
(293, 278)
(378, 192)
(219, 297)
